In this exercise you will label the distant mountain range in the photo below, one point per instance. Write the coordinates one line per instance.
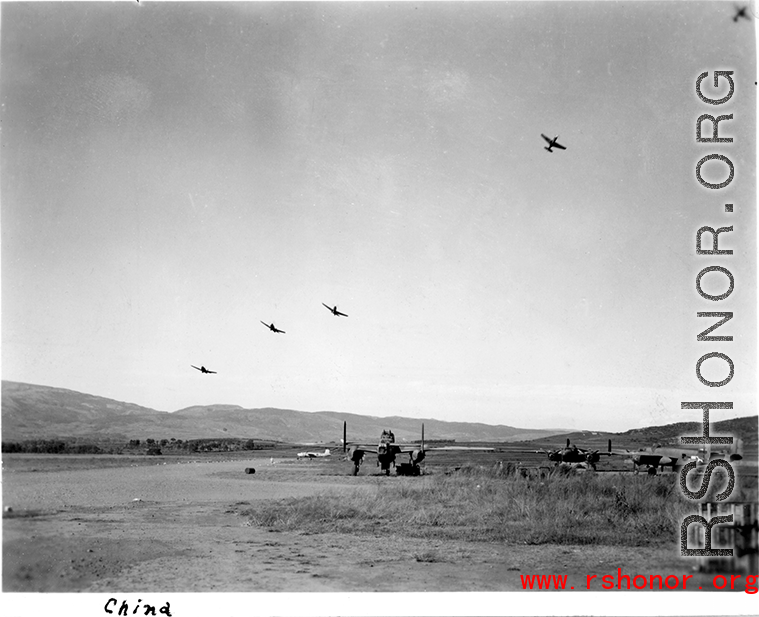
(42, 412)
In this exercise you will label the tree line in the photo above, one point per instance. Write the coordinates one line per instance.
(150, 446)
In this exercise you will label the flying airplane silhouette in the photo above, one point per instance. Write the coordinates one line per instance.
(552, 143)
(202, 369)
(273, 328)
(741, 12)
(334, 310)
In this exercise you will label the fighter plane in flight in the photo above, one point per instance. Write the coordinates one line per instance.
(334, 310)
(552, 143)
(203, 369)
(272, 327)
(741, 12)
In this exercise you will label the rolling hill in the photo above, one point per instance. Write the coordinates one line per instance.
(43, 412)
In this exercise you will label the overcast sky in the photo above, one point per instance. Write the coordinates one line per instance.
(175, 173)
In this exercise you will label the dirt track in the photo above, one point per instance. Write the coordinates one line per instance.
(81, 530)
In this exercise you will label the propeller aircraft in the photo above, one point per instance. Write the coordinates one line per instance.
(657, 458)
(334, 310)
(741, 12)
(310, 455)
(387, 451)
(552, 143)
(652, 460)
(272, 327)
(732, 454)
(574, 455)
(203, 369)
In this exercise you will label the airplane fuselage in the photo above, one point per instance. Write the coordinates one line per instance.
(387, 451)
(573, 454)
(314, 454)
(654, 461)
(552, 143)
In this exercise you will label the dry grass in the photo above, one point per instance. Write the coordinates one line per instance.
(486, 505)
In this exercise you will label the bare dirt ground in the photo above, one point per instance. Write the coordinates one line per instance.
(177, 527)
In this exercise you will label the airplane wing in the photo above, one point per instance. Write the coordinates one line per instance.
(326, 307)
(341, 314)
(214, 372)
(195, 367)
(266, 324)
(559, 146)
(546, 138)
(369, 449)
(478, 448)
(406, 447)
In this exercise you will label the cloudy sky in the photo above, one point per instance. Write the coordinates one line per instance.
(175, 173)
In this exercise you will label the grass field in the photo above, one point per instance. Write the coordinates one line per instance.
(479, 504)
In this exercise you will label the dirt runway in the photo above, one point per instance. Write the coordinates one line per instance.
(177, 527)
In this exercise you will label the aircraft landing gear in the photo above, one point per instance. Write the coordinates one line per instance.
(356, 457)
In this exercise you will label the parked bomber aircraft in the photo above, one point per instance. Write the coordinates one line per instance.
(552, 143)
(653, 460)
(657, 458)
(733, 453)
(573, 454)
(273, 328)
(202, 369)
(387, 450)
(334, 310)
(310, 455)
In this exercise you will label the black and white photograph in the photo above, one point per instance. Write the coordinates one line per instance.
(379, 308)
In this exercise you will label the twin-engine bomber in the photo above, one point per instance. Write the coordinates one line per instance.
(387, 451)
